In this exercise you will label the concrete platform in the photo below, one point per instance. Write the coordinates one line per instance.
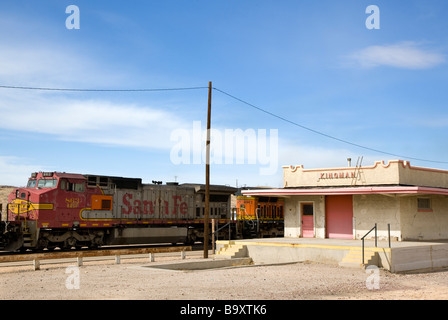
(403, 256)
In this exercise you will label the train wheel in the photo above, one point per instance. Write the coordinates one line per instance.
(191, 239)
(70, 242)
(42, 243)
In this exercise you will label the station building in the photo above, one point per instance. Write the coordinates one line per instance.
(406, 202)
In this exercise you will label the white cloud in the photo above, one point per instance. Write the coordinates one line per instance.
(70, 117)
(43, 66)
(92, 121)
(15, 172)
(406, 55)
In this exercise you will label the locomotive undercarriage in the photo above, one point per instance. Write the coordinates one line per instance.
(26, 236)
(247, 229)
(10, 238)
(67, 239)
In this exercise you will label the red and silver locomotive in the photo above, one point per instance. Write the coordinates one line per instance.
(68, 210)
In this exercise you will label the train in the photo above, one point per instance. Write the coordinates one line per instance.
(70, 210)
(259, 217)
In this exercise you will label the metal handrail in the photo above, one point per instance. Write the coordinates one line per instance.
(227, 224)
(376, 238)
(214, 235)
(376, 242)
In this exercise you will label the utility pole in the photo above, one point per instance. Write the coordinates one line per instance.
(207, 173)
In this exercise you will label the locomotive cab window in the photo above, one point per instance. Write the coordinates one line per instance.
(31, 183)
(78, 187)
(68, 186)
(47, 183)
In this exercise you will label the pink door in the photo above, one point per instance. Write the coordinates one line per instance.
(339, 217)
(307, 210)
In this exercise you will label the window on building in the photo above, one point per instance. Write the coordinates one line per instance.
(424, 204)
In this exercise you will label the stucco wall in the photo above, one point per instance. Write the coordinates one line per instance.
(367, 210)
(424, 225)
(292, 222)
(379, 209)
(401, 212)
(393, 172)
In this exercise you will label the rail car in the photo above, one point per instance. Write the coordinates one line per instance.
(260, 217)
(69, 210)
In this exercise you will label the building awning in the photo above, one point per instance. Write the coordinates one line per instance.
(386, 190)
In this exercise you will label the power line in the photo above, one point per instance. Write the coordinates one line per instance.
(233, 97)
(100, 90)
(324, 134)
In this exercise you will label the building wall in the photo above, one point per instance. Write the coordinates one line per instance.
(292, 221)
(395, 172)
(401, 212)
(367, 210)
(424, 224)
(379, 209)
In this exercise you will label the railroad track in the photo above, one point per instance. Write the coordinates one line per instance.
(15, 259)
(194, 247)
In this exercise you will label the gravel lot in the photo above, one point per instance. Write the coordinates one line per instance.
(130, 280)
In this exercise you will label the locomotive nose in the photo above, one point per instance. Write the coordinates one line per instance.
(18, 202)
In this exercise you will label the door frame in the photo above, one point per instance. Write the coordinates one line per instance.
(301, 204)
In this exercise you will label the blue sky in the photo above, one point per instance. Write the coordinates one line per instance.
(312, 62)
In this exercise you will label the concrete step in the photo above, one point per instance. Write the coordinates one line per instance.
(354, 258)
(232, 251)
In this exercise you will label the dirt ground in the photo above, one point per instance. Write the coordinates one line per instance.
(134, 280)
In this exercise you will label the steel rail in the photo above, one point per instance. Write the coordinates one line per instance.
(90, 253)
